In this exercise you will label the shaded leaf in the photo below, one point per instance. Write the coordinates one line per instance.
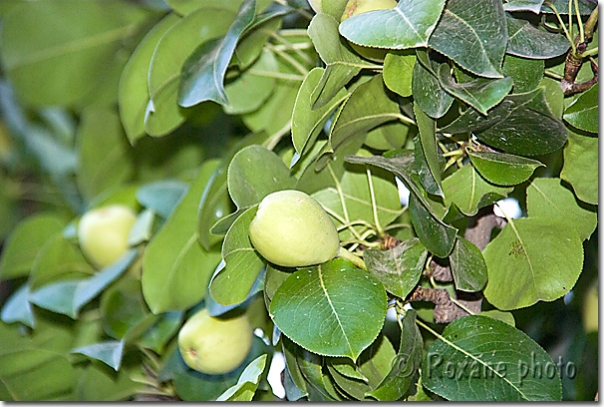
(467, 266)
(161, 196)
(480, 358)
(437, 236)
(526, 73)
(474, 42)
(583, 112)
(398, 72)
(316, 309)
(503, 169)
(400, 268)
(580, 167)
(529, 42)
(427, 91)
(247, 383)
(429, 149)
(109, 352)
(204, 71)
(18, 309)
(519, 274)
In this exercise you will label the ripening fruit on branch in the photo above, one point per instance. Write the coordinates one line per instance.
(291, 229)
(213, 345)
(354, 7)
(103, 233)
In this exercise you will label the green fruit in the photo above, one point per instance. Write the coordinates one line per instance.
(214, 345)
(291, 229)
(103, 233)
(354, 7)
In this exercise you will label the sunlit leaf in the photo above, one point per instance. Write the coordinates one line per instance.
(580, 167)
(503, 169)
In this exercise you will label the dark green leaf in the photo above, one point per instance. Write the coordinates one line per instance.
(400, 268)
(529, 42)
(474, 42)
(482, 359)
(250, 46)
(580, 167)
(521, 124)
(467, 266)
(176, 268)
(122, 307)
(585, 7)
(503, 169)
(437, 236)
(526, 73)
(109, 352)
(316, 308)
(408, 25)
(204, 71)
(583, 113)
(427, 91)
(519, 274)
(429, 150)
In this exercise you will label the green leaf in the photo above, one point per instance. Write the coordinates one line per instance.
(318, 384)
(342, 64)
(163, 114)
(18, 309)
(133, 93)
(250, 46)
(521, 124)
(478, 358)
(529, 42)
(161, 196)
(548, 199)
(474, 42)
(580, 167)
(24, 243)
(122, 307)
(307, 123)
(232, 284)
(104, 155)
(176, 268)
(503, 169)
(523, 5)
(408, 25)
(34, 375)
(248, 186)
(437, 236)
(400, 268)
(427, 143)
(398, 72)
(583, 112)
(506, 317)
(97, 383)
(482, 94)
(109, 352)
(519, 274)
(247, 383)
(204, 71)
(68, 297)
(51, 65)
(470, 192)
(526, 73)
(427, 90)
(408, 361)
(316, 308)
(468, 266)
(585, 7)
(389, 136)
(554, 96)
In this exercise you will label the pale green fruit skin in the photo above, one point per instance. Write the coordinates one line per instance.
(103, 233)
(291, 229)
(214, 345)
(354, 7)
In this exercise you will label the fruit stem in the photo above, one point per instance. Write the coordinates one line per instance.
(353, 258)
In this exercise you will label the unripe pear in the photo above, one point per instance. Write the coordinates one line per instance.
(213, 345)
(103, 233)
(291, 229)
(354, 7)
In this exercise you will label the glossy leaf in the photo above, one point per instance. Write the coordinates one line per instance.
(400, 268)
(251, 45)
(408, 25)
(472, 41)
(548, 199)
(104, 155)
(533, 6)
(248, 186)
(583, 112)
(480, 358)
(316, 308)
(109, 352)
(51, 65)
(342, 64)
(232, 284)
(18, 309)
(529, 42)
(467, 266)
(482, 94)
(24, 243)
(437, 236)
(526, 73)
(519, 274)
(176, 268)
(204, 71)
(398, 72)
(247, 383)
(161, 196)
(580, 167)
(307, 123)
(133, 96)
(503, 169)
(521, 124)
(470, 192)
(428, 93)
(429, 149)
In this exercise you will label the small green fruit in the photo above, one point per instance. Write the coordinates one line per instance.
(354, 7)
(291, 229)
(213, 345)
(103, 233)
